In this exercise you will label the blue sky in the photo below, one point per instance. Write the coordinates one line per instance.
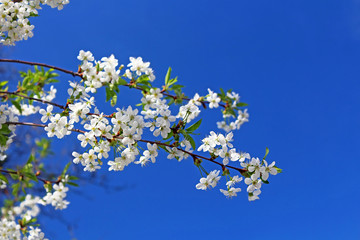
(294, 62)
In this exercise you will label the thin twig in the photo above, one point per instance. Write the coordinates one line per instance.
(32, 98)
(41, 64)
(39, 178)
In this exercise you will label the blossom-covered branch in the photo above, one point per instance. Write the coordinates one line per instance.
(193, 155)
(165, 113)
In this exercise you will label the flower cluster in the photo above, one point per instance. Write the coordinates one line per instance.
(14, 18)
(211, 180)
(25, 212)
(28, 208)
(59, 125)
(138, 67)
(220, 145)
(259, 171)
(97, 74)
(231, 190)
(256, 171)
(190, 111)
(35, 234)
(9, 230)
(29, 109)
(57, 197)
(241, 118)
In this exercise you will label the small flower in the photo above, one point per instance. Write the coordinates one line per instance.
(46, 114)
(231, 192)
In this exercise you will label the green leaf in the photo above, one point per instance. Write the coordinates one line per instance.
(113, 100)
(33, 14)
(279, 170)
(3, 83)
(15, 187)
(31, 159)
(3, 140)
(264, 181)
(170, 134)
(266, 153)
(17, 105)
(52, 80)
(241, 104)
(72, 184)
(73, 178)
(193, 127)
(33, 220)
(5, 129)
(172, 81)
(2, 177)
(48, 187)
(109, 94)
(121, 81)
(167, 77)
(31, 176)
(192, 142)
(189, 138)
(14, 176)
(66, 168)
(222, 92)
(176, 87)
(143, 79)
(246, 174)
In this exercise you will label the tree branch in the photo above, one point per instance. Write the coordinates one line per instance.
(241, 170)
(41, 64)
(39, 178)
(31, 98)
(80, 75)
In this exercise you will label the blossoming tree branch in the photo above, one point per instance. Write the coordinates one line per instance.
(113, 140)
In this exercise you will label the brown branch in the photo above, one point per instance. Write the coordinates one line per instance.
(130, 85)
(40, 125)
(241, 170)
(39, 178)
(31, 98)
(47, 102)
(42, 65)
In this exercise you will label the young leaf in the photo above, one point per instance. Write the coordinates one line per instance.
(167, 77)
(3, 178)
(192, 142)
(241, 104)
(31, 176)
(113, 100)
(121, 81)
(266, 153)
(193, 127)
(15, 188)
(66, 169)
(3, 83)
(72, 184)
(31, 159)
(109, 93)
(170, 134)
(17, 105)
